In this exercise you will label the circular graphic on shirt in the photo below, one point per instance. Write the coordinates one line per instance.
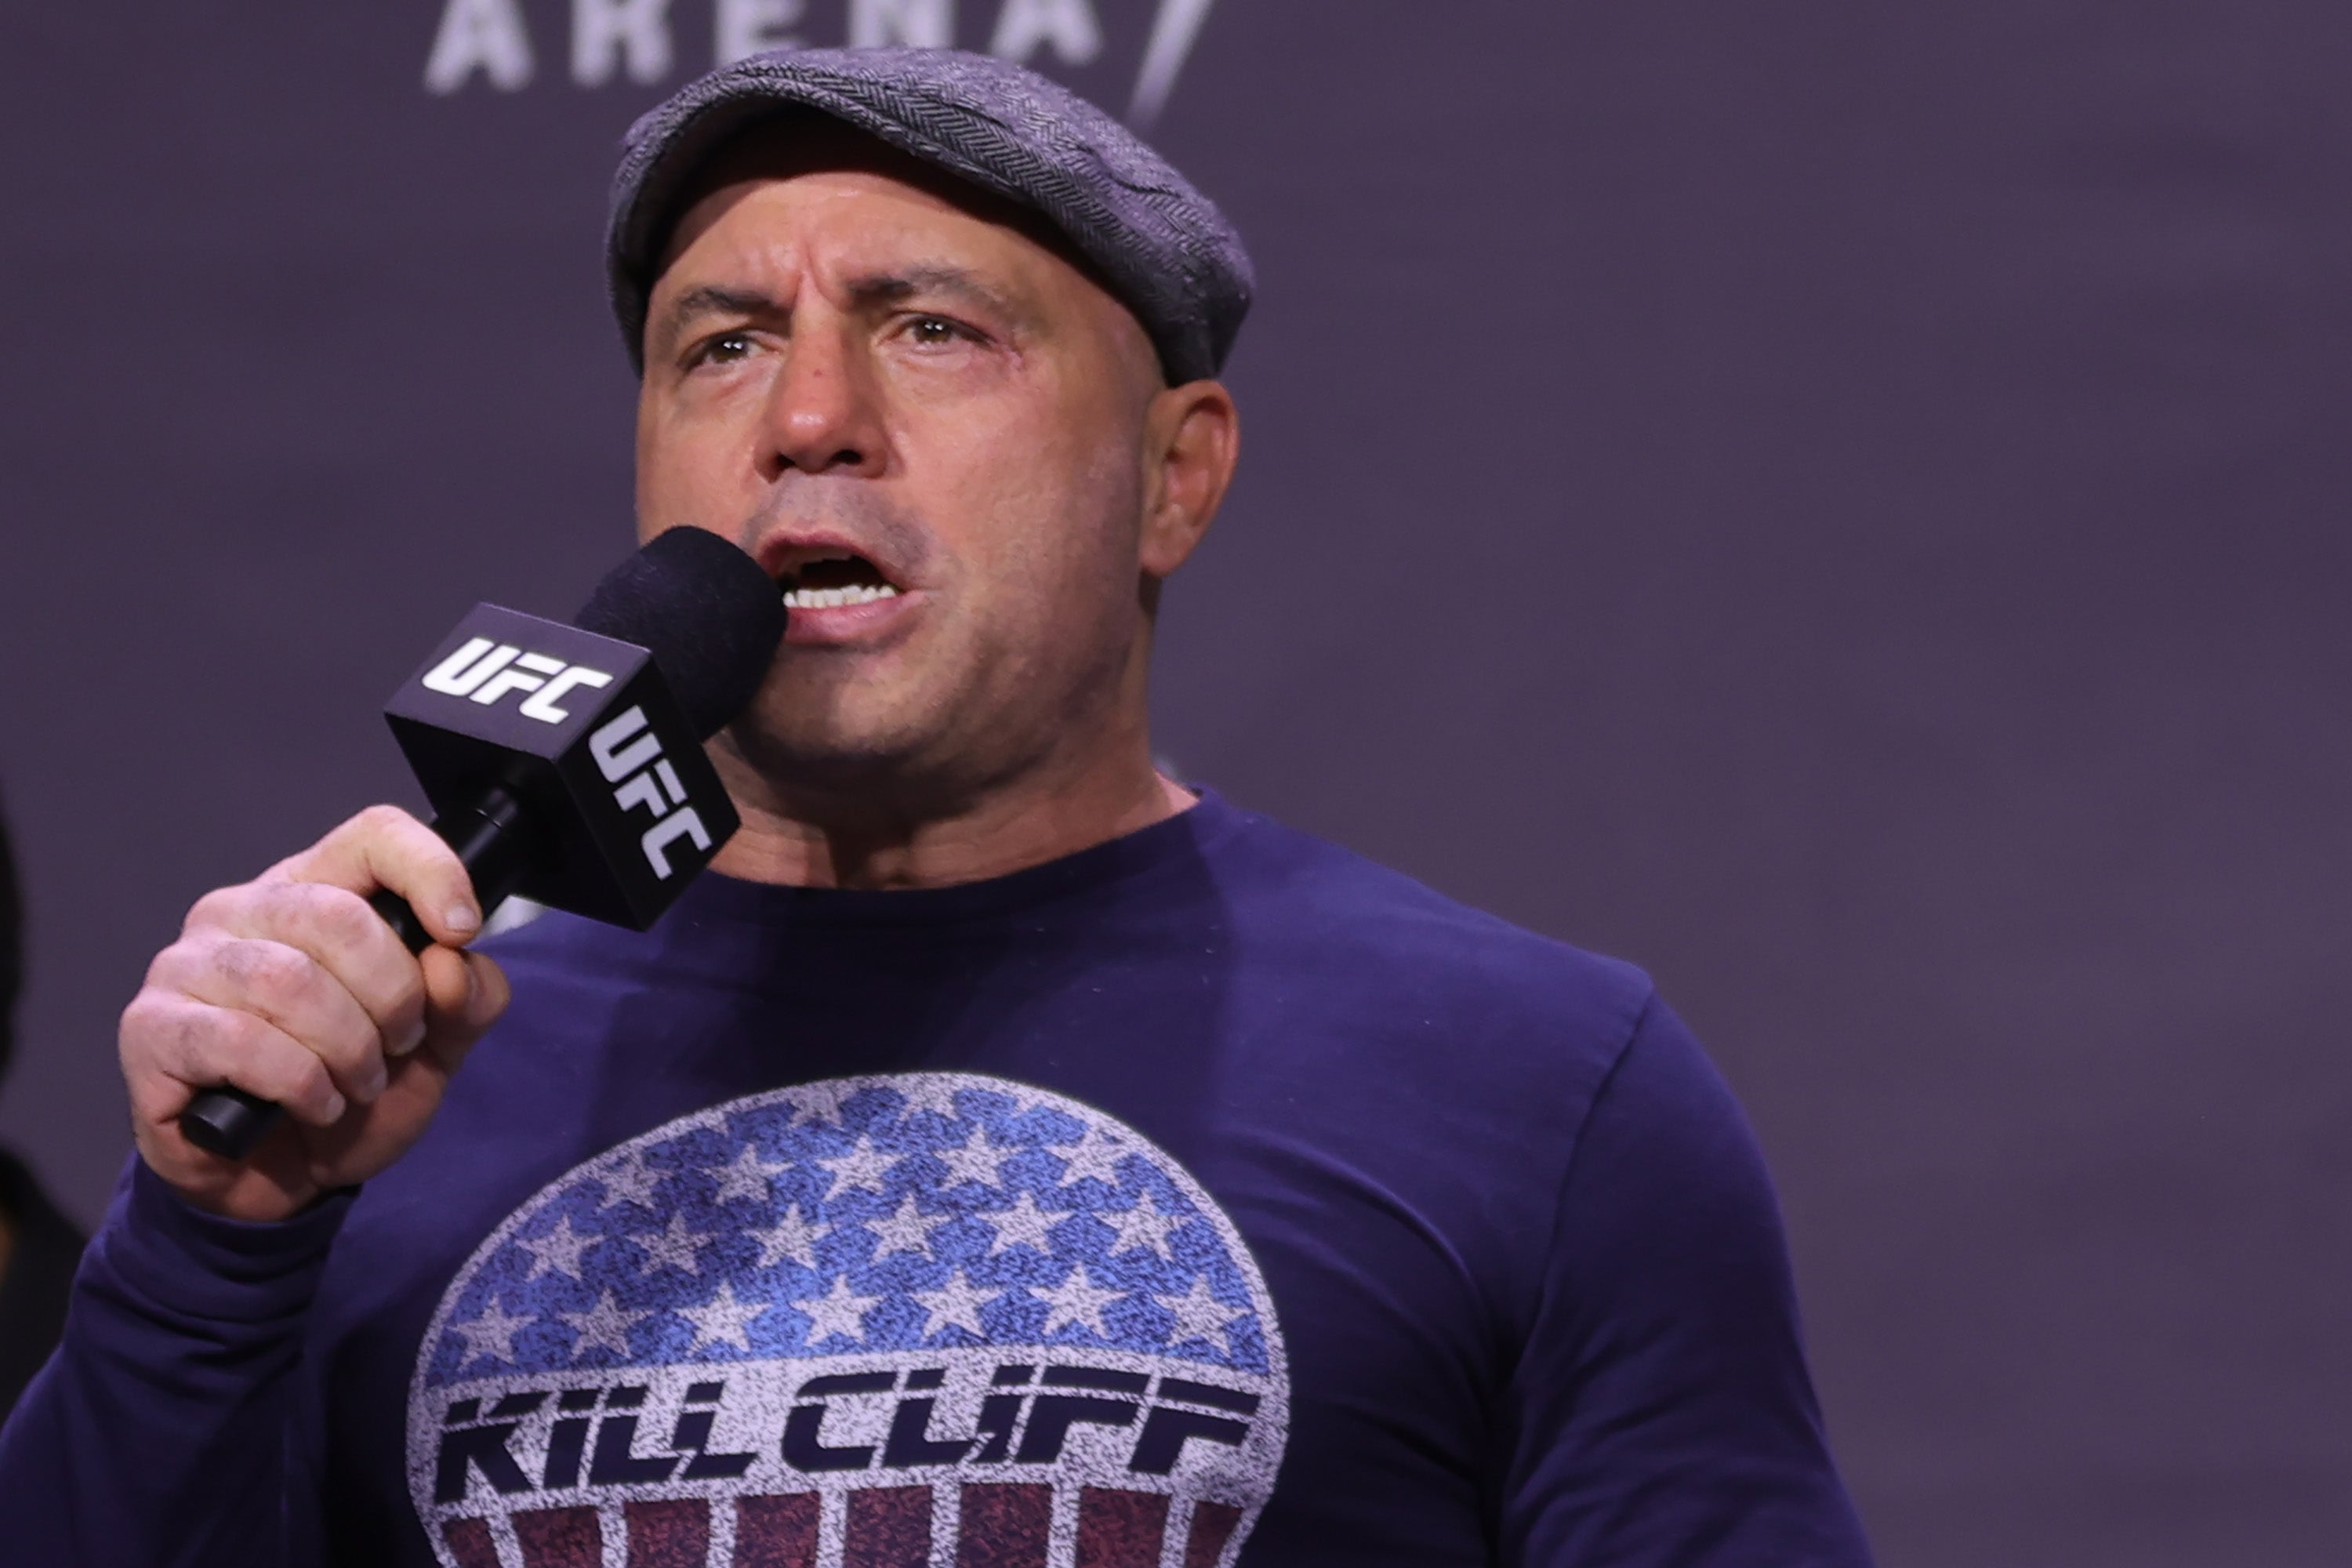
(931, 1319)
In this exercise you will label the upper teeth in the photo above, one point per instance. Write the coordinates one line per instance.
(833, 598)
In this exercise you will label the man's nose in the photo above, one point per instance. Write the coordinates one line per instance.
(822, 415)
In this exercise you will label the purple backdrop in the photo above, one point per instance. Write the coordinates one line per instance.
(1843, 507)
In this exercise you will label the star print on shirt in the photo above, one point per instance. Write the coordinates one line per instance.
(747, 1176)
(673, 1246)
(863, 1168)
(1023, 1224)
(790, 1238)
(975, 1160)
(905, 1230)
(1096, 1157)
(955, 1305)
(721, 1319)
(1078, 1301)
(740, 1282)
(492, 1334)
(1201, 1316)
(631, 1182)
(1143, 1226)
(556, 1252)
(935, 1095)
(758, 1229)
(604, 1326)
(840, 1311)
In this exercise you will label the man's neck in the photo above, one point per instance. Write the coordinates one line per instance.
(999, 833)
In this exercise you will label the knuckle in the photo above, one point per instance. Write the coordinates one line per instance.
(307, 1084)
(164, 970)
(270, 904)
(164, 1035)
(339, 920)
(216, 908)
(151, 1100)
(146, 1023)
(224, 1038)
(352, 1067)
(383, 822)
(268, 972)
(350, 1051)
(249, 1052)
(345, 918)
(208, 1045)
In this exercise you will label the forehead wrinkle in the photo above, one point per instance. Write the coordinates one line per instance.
(826, 239)
(894, 287)
(853, 264)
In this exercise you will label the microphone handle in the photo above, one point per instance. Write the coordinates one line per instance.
(492, 837)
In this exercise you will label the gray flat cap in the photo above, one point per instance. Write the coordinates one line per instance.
(1164, 248)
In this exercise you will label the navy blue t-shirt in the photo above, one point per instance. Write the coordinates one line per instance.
(1208, 1196)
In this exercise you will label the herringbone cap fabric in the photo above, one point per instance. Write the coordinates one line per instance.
(1164, 248)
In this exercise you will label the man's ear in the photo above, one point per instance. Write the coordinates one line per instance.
(1193, 439)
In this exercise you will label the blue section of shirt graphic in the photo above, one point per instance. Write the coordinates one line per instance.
(792, 1225)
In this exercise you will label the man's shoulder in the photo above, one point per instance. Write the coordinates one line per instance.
(1316, 907)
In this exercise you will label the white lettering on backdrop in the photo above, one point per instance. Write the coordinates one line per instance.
(1068, 24)
(488, 43)
(485, 35)
(925, 23)
(743, 27)
(607, 31)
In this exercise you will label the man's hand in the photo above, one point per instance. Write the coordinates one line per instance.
(292, 988)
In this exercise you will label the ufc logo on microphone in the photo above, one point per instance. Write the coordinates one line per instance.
(629, 754)
(486, 671)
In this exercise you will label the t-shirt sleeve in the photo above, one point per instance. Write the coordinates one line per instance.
(158, 1431)
(1662, 1413)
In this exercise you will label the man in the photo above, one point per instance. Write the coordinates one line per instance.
(1009, 1155)
(38, 1244)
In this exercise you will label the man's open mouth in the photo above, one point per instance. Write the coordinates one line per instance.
(832, 580)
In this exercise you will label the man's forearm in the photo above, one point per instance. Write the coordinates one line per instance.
(157, 1433)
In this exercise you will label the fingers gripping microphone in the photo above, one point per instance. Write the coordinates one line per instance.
(565, 762)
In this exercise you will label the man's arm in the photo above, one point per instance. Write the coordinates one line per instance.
(1663, 1415)
(158, 1434)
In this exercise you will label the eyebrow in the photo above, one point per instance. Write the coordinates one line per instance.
(874, 289)
(714, 300)
(896, 288)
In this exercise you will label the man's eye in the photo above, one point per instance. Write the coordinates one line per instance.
(933, 332)
(725, 348)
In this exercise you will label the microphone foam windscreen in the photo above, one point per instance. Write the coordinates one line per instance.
(705, 611)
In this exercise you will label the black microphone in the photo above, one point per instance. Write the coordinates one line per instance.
(565, 762)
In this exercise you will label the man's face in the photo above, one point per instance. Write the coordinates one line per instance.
(933, 431)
